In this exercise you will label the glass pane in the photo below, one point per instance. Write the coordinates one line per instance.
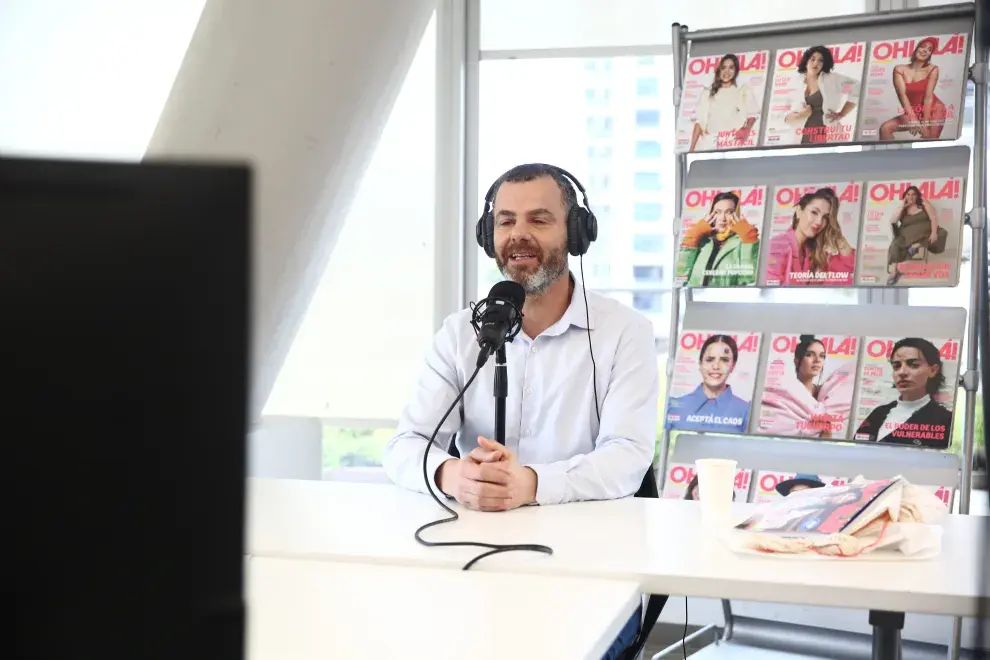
(353, 449)
(343, 362)
(648, 149)
(634, 221)
(622, 171)
(515, 24)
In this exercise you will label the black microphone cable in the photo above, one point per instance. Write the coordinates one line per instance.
(492, 548)
(587, 319)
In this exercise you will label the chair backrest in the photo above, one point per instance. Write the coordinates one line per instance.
(918, 466)
(286, 448)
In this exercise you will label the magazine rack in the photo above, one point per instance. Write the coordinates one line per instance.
(861, 321)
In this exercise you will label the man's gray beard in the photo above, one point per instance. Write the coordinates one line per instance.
(536, 284)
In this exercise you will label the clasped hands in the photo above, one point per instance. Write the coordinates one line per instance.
(490, 478)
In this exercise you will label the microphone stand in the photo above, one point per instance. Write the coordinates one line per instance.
(501, 392)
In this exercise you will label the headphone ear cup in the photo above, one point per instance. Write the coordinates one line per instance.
(484, 232)
(591, 227)
(578, 235)
(479, 231)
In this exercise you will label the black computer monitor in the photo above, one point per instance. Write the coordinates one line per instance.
(124, 294)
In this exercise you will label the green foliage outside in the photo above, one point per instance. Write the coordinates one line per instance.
(365, 447)
(344, 448)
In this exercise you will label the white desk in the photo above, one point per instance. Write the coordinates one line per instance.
(301, 610)
(659, 544)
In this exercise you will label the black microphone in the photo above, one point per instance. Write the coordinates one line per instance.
(498, 318)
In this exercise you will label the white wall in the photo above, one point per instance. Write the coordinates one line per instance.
(302, 90)
(88, 78)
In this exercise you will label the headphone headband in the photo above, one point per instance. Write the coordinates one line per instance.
(582, 226)
(573, 180)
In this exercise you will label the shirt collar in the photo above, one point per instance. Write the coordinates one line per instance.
(575, 312)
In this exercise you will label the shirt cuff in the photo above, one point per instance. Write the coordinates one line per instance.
(550, 482)
(436, 458)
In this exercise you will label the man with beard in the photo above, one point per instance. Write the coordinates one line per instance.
(580, 424)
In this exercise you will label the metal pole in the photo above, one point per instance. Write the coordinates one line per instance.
(955, 644)
(796, 28)
(975, 330)
(977, 221)
(678, 45)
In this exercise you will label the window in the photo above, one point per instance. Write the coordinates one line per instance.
(647, 181)
(647, 211)
(648, 274)
(591, 23)
(648, 243)
(347, 449)
(598, 271)
(645, 61)
(343, 371)
(598, 98)
(647, 149)
(648, 118)
(599, 127)
(648, 301)
(647, 87)
(598, 181)
(512, 133)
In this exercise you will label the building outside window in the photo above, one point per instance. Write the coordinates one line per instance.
(648, 149)
(646, 181)
(647, 211)
(647, 274)
(648, 87)
(648, 301)
(648, 118)
(648, 243)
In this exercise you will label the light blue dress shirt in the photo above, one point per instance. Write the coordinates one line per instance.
(550, 419)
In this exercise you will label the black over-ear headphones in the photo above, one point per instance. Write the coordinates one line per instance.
(582, 226)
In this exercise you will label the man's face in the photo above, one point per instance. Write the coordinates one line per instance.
(531, 233)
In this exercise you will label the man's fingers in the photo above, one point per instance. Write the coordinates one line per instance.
(481, 455)
(481, 502)
(481, 490)
(493, 473)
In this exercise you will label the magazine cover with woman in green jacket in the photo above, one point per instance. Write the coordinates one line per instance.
(722, 248)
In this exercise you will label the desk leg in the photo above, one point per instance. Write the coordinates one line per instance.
(887, 628)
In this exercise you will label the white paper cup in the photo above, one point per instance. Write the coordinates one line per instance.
(716, 479)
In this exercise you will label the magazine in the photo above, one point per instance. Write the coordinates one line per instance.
(815, 94)
(721, 102)
(773, 484)
(720, 232)
(914, 88)
(682, 483)
(907, 387)
(828, 510)
(912, 233)
(713, 381)
(808, 386)
(814, 230)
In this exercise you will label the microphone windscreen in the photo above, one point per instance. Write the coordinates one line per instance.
(509, 291)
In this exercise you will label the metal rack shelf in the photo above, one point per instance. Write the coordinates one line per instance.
(950, 18)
